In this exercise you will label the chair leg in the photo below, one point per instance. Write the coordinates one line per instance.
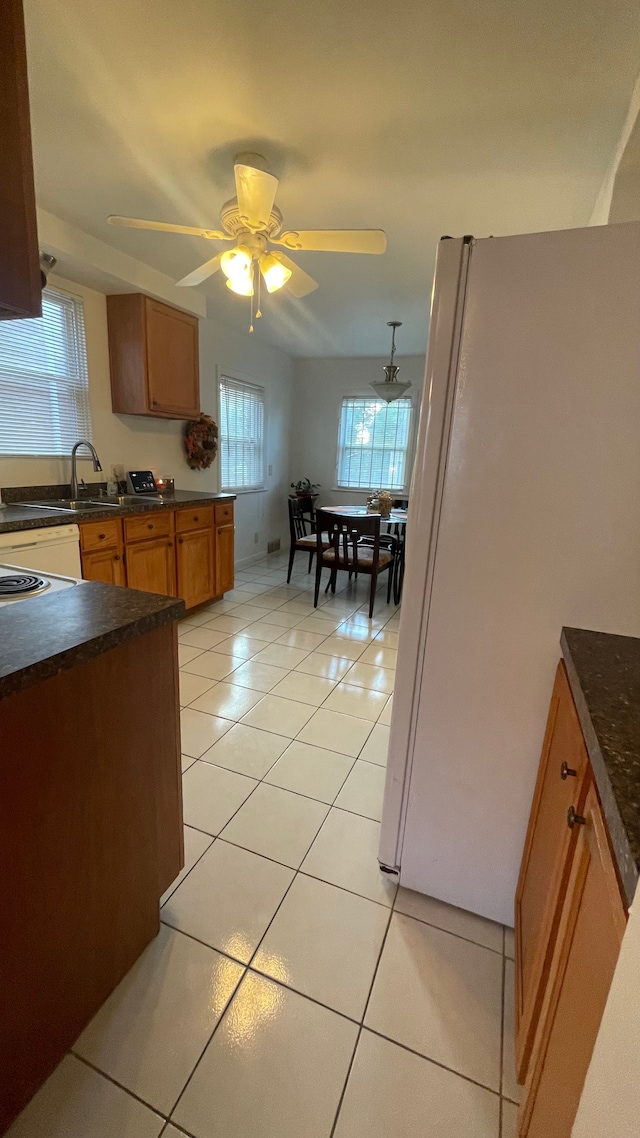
(310, 562)
(372, 593)
(390, 580)
(292, 554)
(317, 585)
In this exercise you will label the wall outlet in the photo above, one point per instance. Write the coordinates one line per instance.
(273, 546)
(256, 538)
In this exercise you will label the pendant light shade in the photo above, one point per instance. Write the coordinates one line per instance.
(391, 387)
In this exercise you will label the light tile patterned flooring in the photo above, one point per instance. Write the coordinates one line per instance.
(293, 991)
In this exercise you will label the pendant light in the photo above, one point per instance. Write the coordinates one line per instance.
(391, 388)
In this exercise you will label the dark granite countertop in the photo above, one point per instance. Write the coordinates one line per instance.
(14, 518)
(604, 675)
(45, 635)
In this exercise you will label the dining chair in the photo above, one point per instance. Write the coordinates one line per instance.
(302, 525)
(344, 551)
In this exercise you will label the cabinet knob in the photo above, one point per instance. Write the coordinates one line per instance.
(574, 819)
(102, 536)
(170, 544)
(117, 557)
(567, 772)
(181, 540)
(196, 518)
(150, 525)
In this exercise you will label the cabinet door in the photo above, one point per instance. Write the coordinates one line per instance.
(151, 566)
(546, 860)
(589, 937)
(172, 361)
(104, 565)
(196, 575)
(224, 558)
(20, 285)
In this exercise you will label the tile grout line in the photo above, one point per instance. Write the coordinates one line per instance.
(360, 1028)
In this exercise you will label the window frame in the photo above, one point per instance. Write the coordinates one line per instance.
(401, 491)
(85, 431)
(244, 381)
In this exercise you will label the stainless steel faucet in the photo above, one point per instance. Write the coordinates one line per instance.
(96, 463)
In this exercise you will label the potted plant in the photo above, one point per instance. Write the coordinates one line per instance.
(304, 488)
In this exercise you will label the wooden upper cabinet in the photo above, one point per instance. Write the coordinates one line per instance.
(562, 782)
(20, 282)
(153, 351)
(591, 927)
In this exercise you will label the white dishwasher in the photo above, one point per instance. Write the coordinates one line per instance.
(53, 549)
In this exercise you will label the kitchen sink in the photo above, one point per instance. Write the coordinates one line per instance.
(128, 500)
(70, 505)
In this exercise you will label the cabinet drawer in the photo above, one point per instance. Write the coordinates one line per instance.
(224, 513)
(198, 517)
(148, 525)
(100, 535)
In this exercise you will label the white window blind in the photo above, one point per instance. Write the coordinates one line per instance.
(44, 386)
(373, 444)
(241, 435)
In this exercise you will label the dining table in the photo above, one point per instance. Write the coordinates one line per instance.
(397, 526)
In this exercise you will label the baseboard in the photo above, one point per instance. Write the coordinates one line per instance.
(244, 562)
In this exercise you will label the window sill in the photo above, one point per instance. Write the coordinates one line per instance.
(244, 490)
(402, 493)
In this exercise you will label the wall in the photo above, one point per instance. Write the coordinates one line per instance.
(141, 443)
(320, 385)
(610, 1103)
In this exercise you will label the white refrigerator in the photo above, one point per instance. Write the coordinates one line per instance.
(524, 516)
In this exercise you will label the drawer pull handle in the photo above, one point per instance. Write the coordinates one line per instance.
(181, 540)
(574, 819)
(102, 536)
(117, 557)
(196, 518)
(567, 772)
(150, 525)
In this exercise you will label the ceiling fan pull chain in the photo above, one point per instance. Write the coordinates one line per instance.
(259, 276)
(251, 323)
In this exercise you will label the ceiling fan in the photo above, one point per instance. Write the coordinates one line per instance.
(253, 222)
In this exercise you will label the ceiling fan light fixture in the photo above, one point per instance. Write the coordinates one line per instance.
(242, 286)
(275, 274)
(236, 266)
(391, 387)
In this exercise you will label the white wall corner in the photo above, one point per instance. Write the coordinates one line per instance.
(600, 214)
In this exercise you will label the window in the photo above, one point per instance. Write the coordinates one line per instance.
(44, 385)
(373, 443)
(241, 435)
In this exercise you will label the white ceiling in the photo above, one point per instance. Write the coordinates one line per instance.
(422, 117)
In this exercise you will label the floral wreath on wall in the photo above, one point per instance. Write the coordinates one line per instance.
(201, 442)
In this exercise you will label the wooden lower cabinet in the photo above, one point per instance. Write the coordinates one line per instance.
(545, 867)
(570, 918)
(88, 854)
(195, 566)
(151, 566)
(225, 541)
(592, 924)
(104, 565)
(183, 552)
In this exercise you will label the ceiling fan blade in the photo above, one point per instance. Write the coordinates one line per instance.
(167, 227)
(256, 192)
(299, 283)
(334, 240)
(199, 275)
